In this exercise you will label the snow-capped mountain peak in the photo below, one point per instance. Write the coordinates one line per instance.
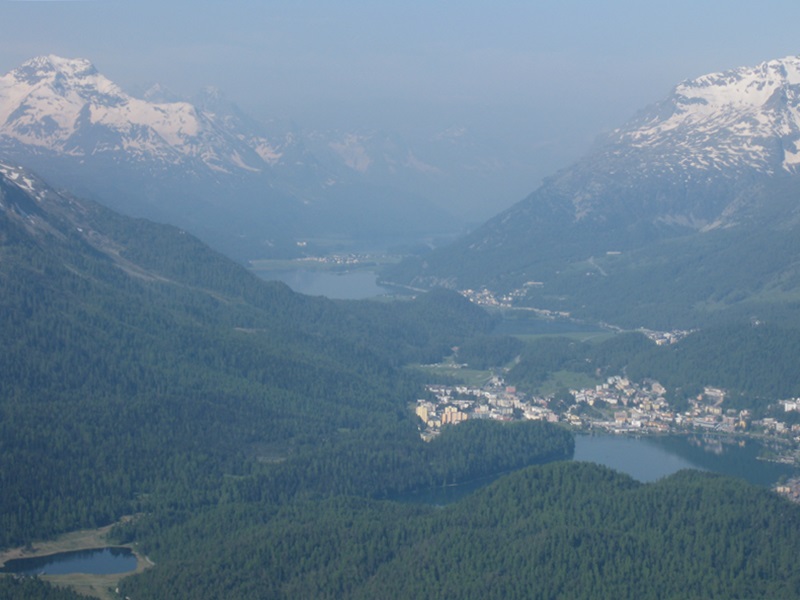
(46, 67)
(688, 211)
(743, 118)
(43, 77)
(66, 107)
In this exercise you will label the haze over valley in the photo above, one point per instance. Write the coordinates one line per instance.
(541, 330)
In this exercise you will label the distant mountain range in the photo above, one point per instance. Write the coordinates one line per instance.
(250, 188)
(688, 212)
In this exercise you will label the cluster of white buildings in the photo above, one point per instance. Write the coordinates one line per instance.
(624, 406)
(634, 407)
(791, 405)
(665, 338)
(454, 404)
(336, 259)
(485, 297)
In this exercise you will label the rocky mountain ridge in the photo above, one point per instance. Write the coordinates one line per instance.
(719, 154)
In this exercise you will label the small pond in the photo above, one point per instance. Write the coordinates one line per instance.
(99, 561)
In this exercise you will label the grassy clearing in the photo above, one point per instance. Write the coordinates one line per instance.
(566, 379)
(594, 337)
(450, 371)
(97, 586)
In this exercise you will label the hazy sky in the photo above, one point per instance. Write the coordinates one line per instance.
(544, 77)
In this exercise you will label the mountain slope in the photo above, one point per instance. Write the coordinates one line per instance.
(139, 366)
(565, 530)
(713, 164)
(249, 428)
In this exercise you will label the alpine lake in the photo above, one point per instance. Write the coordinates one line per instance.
(645, 458)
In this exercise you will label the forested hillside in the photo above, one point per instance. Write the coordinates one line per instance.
(258, 438)
(137, 361)
(567, 530)
(756, 363)
(684, 216)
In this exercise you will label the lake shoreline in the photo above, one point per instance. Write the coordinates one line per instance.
(97, 586)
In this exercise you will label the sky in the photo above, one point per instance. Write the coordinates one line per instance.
(542, 78)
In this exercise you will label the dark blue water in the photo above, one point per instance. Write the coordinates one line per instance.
(725, 455)
(648, 459)
(100, 561)
(643, 459)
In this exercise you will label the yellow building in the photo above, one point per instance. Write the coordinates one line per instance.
(453, 415)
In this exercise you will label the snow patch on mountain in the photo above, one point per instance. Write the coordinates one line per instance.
(743, 118)
(352, 151)
(415, 163)
(21, 179)
(268, 153)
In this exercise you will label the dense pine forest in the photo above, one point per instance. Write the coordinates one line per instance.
(170, 366)
(756, 363)
(260, 438)
(567, 530)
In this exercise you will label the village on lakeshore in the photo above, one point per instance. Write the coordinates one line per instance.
(618, 406)
(625, 406)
